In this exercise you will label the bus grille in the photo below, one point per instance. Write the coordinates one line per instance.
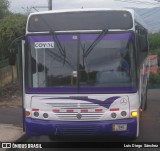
(77, 130)
(77, 114)
(74, 116)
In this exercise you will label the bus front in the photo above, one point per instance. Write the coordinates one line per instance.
(79, 75)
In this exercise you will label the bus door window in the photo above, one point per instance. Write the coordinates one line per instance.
(39, 69)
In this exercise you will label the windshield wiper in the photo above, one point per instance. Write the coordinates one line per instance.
(51, 53)
(61, 50)
(97, 40)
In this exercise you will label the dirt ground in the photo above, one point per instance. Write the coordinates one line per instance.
(10, 95)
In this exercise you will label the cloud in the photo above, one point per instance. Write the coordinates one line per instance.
(16, 5)
(62, 4)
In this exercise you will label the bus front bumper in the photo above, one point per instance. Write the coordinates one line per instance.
(35, 127)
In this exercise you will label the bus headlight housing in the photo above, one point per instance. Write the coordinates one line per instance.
(123, 113)
(113, 115)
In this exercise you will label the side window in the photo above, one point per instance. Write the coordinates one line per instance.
(142, 43)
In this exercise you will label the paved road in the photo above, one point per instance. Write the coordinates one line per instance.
(150, 124)
(11, 115)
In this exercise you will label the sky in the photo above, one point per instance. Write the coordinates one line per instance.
(24, 5)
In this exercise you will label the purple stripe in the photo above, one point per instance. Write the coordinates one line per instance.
(46, 38)
(123, 36)
(51, 90)
(106, 103)
(81, 90)
(69, 37)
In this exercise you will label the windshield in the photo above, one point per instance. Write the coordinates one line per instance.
(108, 66)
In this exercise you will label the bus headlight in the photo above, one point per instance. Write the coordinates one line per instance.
(113, 115)
(123, 113)
(36, 114)
(45, 115)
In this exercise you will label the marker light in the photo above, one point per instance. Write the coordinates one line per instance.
(114, 109)
(134, 113)
(84, 110)
(35, 110)
(70, 111)
(56, 110)
(98, 110)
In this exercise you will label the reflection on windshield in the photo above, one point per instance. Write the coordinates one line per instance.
(108, 64)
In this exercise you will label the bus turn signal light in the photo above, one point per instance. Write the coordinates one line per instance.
(134, 114)
(27, 113)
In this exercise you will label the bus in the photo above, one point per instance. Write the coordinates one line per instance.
(85, 72)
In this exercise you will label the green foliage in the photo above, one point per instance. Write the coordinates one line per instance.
(11, 27)
(155, 78)
(4, 5)
(154, 41)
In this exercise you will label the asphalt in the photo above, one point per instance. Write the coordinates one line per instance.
(11, 125)
(11, 133)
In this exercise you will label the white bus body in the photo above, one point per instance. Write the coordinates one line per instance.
(72, 81)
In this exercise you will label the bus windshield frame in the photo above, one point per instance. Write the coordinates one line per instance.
(73, 69)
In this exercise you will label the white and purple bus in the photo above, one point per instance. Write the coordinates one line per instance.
(85, 73)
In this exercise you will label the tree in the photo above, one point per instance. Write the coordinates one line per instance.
(155, 78)
(154, 41)
(11, 27)
(4, 5)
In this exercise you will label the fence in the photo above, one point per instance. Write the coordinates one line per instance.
(7, 73)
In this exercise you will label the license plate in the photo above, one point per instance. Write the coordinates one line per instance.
(119, 127)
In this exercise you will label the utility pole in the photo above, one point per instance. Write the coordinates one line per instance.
(49, 4)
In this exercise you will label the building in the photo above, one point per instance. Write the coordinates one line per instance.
(153, 63)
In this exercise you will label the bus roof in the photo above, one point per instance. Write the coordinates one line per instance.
(82, 10)
(135, 18)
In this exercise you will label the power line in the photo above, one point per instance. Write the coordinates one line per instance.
(49, 6)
